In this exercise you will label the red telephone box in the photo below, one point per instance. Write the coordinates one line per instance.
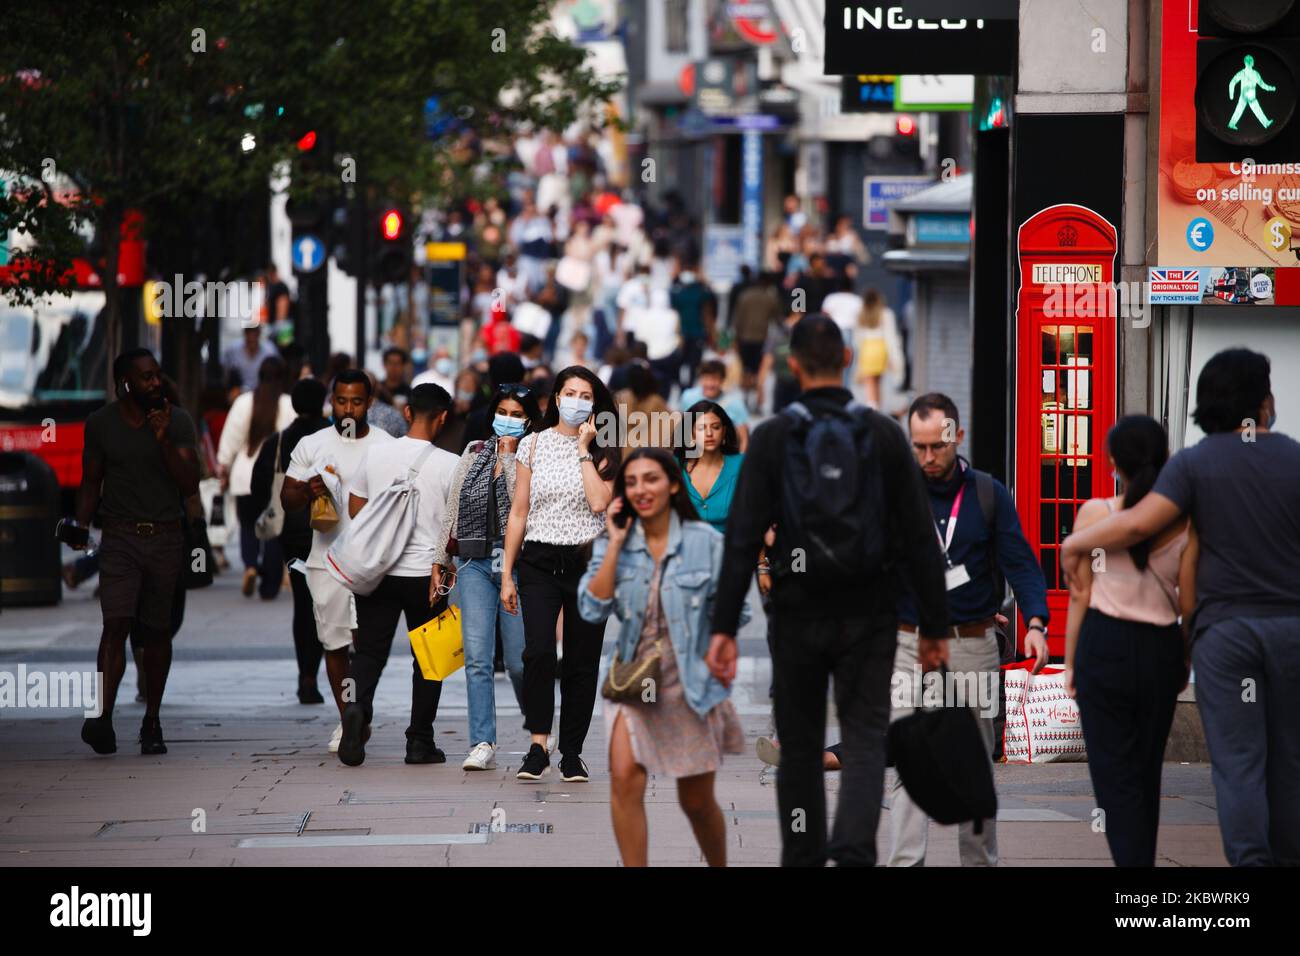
(1065, 382)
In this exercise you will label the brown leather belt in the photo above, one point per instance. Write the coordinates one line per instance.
(143, 529)
(975, 629)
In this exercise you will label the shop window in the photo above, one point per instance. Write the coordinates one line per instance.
(676, 26)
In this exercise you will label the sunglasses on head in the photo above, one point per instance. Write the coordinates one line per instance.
(517, 391)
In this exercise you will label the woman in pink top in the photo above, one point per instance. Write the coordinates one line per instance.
(1126, 657)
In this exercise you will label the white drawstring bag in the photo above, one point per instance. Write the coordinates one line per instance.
(375, 539)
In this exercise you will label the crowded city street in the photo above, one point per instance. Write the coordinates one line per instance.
(670, 434)
(251, 762)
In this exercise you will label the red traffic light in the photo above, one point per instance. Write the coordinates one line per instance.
(307, 142)
(391, 224)
(906, 126)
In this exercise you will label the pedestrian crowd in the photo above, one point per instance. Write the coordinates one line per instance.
(879, 553)
(499, 500)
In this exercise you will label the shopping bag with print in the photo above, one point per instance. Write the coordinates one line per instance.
(1042, 719)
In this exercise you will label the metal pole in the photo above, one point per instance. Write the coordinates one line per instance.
(362, 225)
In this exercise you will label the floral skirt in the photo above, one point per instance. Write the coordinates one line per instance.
(668, 737)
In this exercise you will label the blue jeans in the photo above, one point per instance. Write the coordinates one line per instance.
(478, 592)
(1245, 678)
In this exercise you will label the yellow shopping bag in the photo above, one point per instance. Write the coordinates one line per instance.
(438, 645)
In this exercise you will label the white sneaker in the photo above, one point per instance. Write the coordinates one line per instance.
(482, 757)
(335, 738)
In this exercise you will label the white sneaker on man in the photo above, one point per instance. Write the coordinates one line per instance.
(482, 757)
(335, 738)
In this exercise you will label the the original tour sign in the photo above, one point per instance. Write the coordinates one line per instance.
(922, 36)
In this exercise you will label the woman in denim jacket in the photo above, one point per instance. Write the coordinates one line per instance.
(659, 574)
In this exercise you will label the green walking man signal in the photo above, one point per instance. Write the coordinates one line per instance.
(1249, 79)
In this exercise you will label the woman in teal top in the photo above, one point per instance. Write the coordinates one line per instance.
(711, 461)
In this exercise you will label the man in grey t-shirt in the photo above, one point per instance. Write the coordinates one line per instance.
(1241, 486)
(138, 466)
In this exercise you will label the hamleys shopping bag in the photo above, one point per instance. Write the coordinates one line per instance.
(1042, 719)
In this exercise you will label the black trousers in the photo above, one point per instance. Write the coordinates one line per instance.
(1127, 677)
(306, 644)
(692, 355)
(667, 370)
(858, 652)
(377, 615)
(548, 583)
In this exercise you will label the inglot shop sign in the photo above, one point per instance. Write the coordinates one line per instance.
(922, 36)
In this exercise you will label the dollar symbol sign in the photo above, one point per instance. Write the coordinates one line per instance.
(1278, 238)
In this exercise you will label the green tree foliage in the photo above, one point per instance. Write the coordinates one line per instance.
(145, 105)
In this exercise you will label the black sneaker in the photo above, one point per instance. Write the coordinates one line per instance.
(352, 746)
(423, 751)
(573, 770)
(151, 737)
(98, 732)
(536, 763)
(308, 693)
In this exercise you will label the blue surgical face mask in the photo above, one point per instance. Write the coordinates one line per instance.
(444, 367)
(477, 357)
(575, 411)
(508, 427)
(464, 396)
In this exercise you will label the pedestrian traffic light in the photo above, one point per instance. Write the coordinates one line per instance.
(311, 200)
(1247, 54)
(393, 253)
(307, 213)
(391, 224)
(347, 241)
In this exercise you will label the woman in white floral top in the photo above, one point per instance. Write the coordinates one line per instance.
(564, 482)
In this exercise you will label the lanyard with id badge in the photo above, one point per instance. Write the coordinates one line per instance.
(955, 575)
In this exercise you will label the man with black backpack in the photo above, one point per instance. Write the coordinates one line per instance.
(851, 521)
(978, 536)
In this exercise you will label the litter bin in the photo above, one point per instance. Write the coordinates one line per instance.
(30, 555)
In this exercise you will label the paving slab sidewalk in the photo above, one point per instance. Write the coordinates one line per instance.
(248, 782)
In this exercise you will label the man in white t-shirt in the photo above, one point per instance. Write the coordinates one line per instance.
(844, 306)
(633, 294)
(337, 452)
(407, 587)
(659, 326)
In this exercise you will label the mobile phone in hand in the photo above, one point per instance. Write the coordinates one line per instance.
(625, 514)
(71, 533)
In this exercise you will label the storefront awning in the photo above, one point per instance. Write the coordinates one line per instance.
(927, 260)
(951, 196)
(661, 94)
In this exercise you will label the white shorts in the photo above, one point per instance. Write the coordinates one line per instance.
(334, 608)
